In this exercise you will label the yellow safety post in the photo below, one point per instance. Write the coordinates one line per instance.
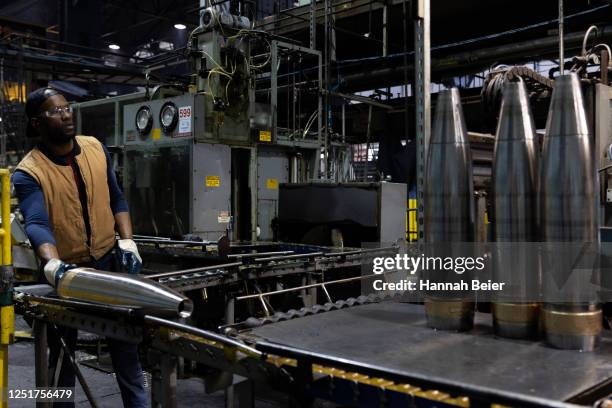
(412, 227)
(7, 311)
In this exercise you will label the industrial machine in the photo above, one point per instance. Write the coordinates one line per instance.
(602, 114)
(210, 161)
(342, 214)
(103, 118)
(177, 185)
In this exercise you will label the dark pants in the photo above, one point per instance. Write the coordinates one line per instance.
(124, 356)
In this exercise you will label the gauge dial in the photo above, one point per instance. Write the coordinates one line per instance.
(144, 120)
(168, 117)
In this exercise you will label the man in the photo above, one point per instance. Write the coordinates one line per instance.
(72, 205)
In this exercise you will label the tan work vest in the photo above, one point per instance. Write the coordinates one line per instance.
(63, 203)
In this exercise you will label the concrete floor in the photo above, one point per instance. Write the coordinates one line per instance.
(104, 387)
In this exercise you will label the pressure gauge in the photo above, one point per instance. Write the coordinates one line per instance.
(168, 117)
(144, 120)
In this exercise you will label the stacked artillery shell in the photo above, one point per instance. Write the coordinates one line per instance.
(122, 290)
(449, 209)
(515, 314)
(572, 319)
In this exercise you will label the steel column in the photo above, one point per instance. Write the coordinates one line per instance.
(561, 45)
(273, 86)
(343, 121)
(327, 58)
(385, 33)
(319, 161)
(313, 24)
(422, 65)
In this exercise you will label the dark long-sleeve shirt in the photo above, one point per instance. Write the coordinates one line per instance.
(32, 201)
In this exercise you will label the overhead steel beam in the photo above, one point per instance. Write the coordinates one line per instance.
(465, 62)
(362, 99)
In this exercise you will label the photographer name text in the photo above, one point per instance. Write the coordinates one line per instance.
(427, 285)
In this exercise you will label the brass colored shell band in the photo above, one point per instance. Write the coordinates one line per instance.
(448, 308)
(573, 323)
(516, 312)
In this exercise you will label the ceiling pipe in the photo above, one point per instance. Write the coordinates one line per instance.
(470, 62)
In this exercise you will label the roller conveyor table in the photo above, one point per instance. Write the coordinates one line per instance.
(391, 340)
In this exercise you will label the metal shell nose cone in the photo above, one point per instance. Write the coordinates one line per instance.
(124, 290)
(568, 176)
(449, 210)
(514, 169)
(515, 119)
(449, 125)
(568, 208)
(567, 115)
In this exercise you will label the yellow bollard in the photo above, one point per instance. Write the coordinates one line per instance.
(413, 229)
(6, 218)
(7, 330)
(7, 311)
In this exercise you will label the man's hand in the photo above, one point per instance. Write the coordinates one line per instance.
(130, 258)
(54, 269)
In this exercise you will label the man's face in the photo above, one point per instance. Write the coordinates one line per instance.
(54, 122)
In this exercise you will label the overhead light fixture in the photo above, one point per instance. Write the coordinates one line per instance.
(180, 26)
(114, 46)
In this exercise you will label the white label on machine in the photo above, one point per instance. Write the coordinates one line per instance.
(184, 125)
(224, 217)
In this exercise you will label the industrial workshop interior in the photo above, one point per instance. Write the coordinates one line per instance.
(306, 203)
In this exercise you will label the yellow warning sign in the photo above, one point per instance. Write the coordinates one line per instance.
(213, 181)
(265, 136)
(156, 134)
(272, 184)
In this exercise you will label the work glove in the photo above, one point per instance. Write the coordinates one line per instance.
(130, 258)
(55, 269)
